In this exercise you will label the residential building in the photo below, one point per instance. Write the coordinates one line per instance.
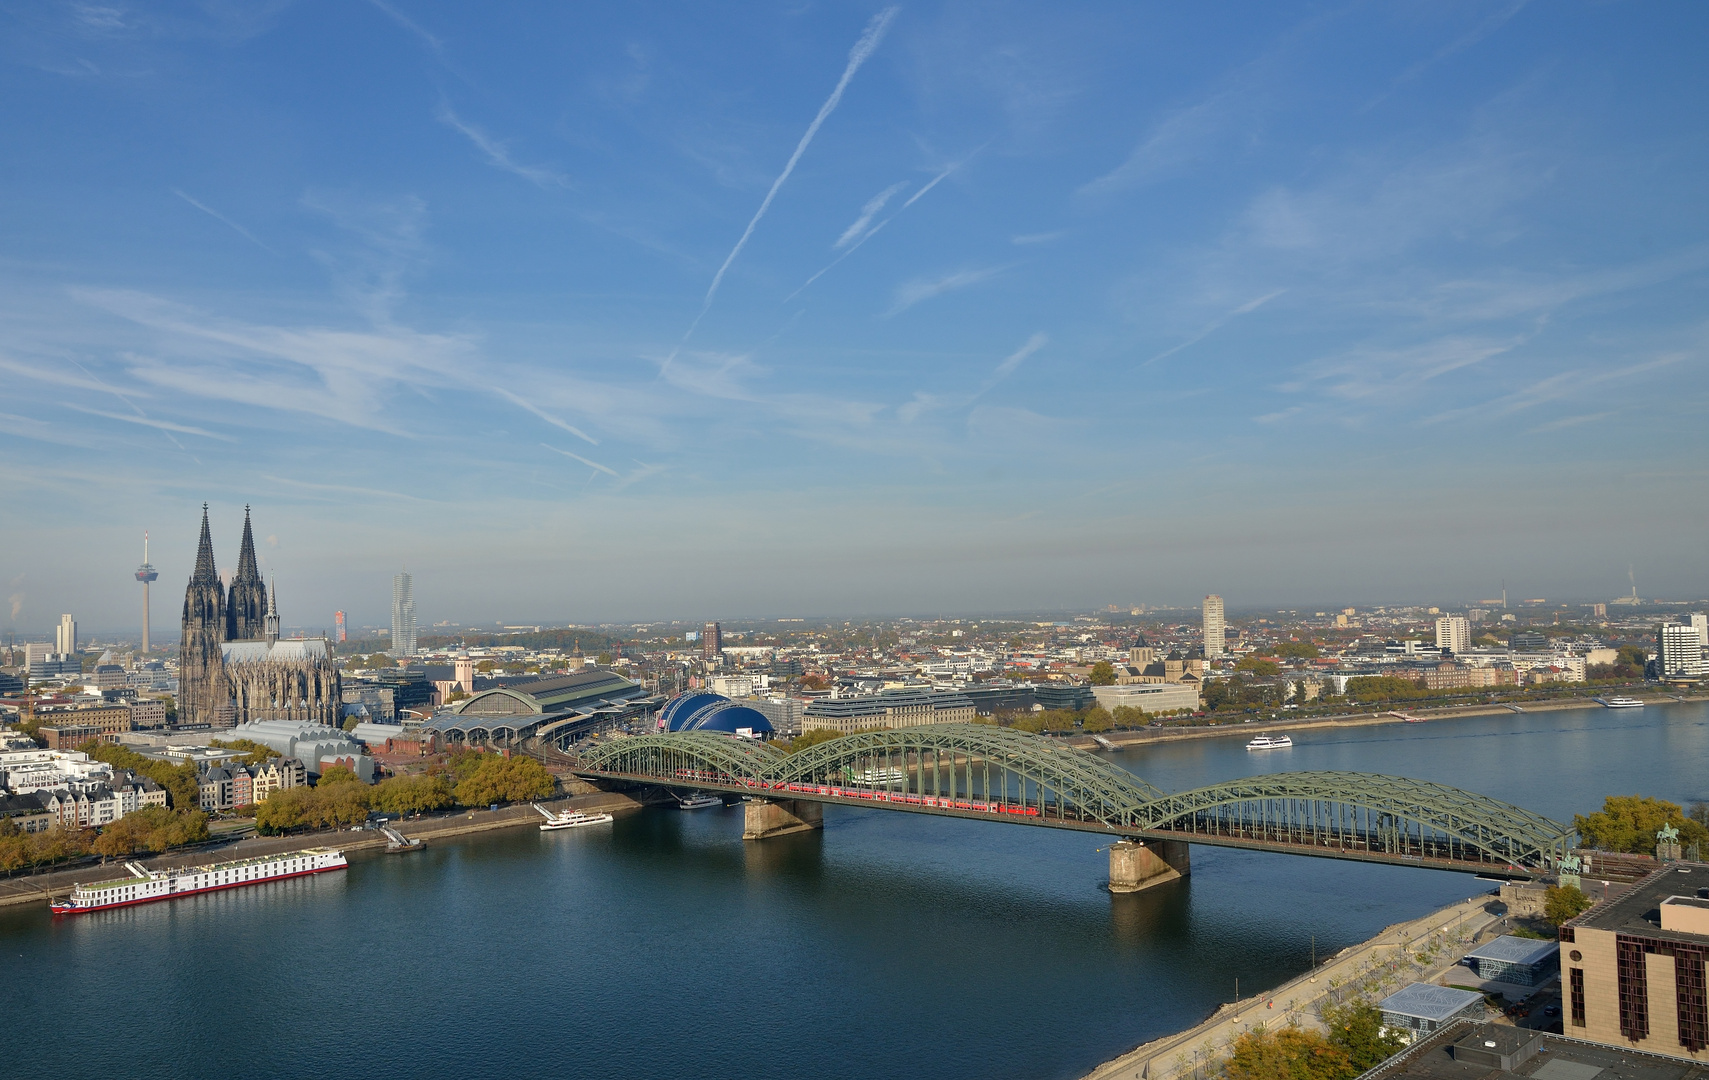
(889, 709)
(1633, 967)
(276, 774)
(403, 615)
(711, 641)
(1680, 652)
(1453, 633)
(1215, 630)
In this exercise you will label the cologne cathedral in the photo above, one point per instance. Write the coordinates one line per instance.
(232, 667)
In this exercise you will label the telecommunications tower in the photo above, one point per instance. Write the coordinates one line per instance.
(145, 574)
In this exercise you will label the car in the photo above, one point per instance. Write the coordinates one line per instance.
(1551, 1010)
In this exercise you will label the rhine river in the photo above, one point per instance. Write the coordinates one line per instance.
(663, 947)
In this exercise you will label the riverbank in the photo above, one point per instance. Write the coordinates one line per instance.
(45, 887)
(1375, 968)
(1124, 739)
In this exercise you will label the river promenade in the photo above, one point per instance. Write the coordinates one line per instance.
(42, 888)
(1372, 968)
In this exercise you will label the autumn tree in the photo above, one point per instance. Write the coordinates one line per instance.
(1563, 902)
(1630, 823)
(1356, 1028)
(1287, 1054)
(1102, 674)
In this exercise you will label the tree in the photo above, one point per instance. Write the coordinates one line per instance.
(1357, 1029)
(1258, 666)
(350, 722)
(258, 753)
(1630, 822)
(338, 774)
(1129, 716)
(1297, 650)
(153, 828)
(413, 794)
(1287, 1054)
(1098, 720)
(1102, 674)
(1563, 902)
(499, 779)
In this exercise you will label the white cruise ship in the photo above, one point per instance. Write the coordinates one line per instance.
(1270, 742)
(144, 886)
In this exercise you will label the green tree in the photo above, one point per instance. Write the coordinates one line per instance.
(500, 779)
(1098, 720)
(1030, 722)
(1258, 666)
(1563, 902)
(338, 774)
(258, 753)
(350, 722)
(413, 794)
(1357, 1029)
(1103, 674)
(1297, 650)
(1630, 822)
(153, 828)
(1287, 1054)
(1128, 716)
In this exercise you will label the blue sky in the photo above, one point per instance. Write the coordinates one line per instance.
(676, 311)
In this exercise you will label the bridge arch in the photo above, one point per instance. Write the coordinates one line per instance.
(982, 770)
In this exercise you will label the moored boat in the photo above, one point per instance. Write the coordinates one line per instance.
(145, 886)
(1270, 742)
(1620, 703)
(570, 819)
(700, 800)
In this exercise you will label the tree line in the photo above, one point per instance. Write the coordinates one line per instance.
(340, 799)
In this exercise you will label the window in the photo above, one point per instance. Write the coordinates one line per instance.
(1577, 980)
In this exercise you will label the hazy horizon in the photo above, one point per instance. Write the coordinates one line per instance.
(591, 315)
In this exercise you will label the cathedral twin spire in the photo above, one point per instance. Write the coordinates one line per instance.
(246, 601)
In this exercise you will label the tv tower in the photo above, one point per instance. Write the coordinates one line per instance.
(145, 574)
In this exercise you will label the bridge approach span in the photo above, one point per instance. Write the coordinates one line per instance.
(993, 773)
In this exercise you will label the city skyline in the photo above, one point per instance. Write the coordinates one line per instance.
(1042, 308)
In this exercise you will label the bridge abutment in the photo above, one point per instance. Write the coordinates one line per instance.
(764, 818)
(1135, 865)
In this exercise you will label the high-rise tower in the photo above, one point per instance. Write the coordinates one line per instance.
(65, 636)
(246, 602)
(403, 615)
(201, 681)
(145, 574)
(1216, 638)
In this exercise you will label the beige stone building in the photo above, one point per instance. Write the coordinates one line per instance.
(890, 709)
(1632, 968)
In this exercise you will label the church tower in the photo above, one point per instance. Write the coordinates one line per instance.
(201, 674)
(246, 604)
(273, 613)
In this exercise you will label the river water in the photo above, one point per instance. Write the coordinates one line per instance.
(663, 946)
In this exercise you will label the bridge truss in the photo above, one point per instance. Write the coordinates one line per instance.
(995, 773)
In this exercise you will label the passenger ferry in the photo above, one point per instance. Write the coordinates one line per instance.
(144, 885)
(571, 819)
(700, 800)
(1270, 742)
(1620, 702)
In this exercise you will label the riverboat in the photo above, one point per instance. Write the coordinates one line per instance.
(1620, 703)
(1270, 742)
(700, 801)
(570, 819)
(145, 886)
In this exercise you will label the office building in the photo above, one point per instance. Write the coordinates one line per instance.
(1700, 623)
(1215, 629)
(403, 615)
(890, 709)
(65, 636)
(338, 632)
(1453, 633)
(1680, 652)
(711, 641)
(35, 656)
(1633, 968)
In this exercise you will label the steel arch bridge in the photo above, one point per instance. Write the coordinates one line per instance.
(994, 773)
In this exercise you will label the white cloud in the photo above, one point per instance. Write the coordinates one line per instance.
(923, 289)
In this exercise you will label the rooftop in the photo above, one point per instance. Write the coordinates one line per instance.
(1638, 910)
(1508, 949)
(1558, 1058)
(1428, 1001)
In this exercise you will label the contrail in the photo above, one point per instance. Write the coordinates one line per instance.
(857, 56)
(872, 232)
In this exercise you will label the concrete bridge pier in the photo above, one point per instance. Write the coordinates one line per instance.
(764, 818)
(1136, 865)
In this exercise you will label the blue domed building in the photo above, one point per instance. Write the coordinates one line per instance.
(699, 710)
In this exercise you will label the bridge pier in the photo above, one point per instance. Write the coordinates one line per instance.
(1135, 865)
(763, 818)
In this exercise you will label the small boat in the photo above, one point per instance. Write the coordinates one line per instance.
(570, 819)
(700, 800)
(1620, 703)
(1270, 742)
(397, 843)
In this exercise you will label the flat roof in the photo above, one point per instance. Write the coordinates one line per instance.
(1428, 1001)
(1559, 1059)
(1509, 949)
(1638, 910)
